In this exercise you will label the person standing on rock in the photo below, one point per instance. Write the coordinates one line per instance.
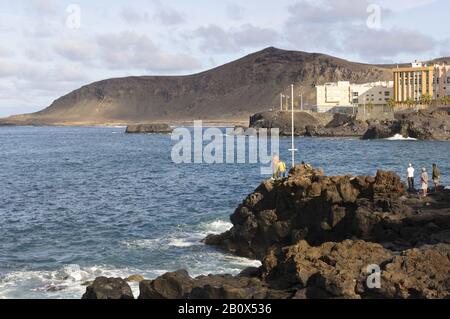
(275, 166)
(425, 180)
(410, 173)
(282, 169)
(436, 177)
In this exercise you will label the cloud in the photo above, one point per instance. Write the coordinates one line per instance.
(37, 54)
(340, 27)
(75, 50)
(389, 43)
(6, 52)
(7, 69)
(169, 16)
(43, 6)
(130, 50)
(133, 15)
(327, 11)
(235, 11)
(404, 5)
(163, 14)
(218, 40)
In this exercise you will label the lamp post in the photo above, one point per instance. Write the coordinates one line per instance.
(293, 149)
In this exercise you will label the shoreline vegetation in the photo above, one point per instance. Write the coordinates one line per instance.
(321, 237)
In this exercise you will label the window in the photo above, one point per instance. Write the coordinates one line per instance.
(355, 94)
(387, 93)
(448, 79)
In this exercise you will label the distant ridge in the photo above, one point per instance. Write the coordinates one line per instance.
(230, 92)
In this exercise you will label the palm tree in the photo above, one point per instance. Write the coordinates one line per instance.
(410, 101)
(426, 99)
(391, 103)
(445, 100)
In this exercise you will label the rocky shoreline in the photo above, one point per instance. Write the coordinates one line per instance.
(425, 125)
(320, 237)
(160, 128)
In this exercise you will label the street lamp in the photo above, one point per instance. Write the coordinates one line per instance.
(293, 149)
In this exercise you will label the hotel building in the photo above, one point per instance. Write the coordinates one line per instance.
(420, 79)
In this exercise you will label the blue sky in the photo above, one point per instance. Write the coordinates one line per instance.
(46, 51)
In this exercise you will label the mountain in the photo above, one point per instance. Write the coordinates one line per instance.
(227, 93)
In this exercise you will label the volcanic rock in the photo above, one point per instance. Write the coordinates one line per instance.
(422, 125)
(311, 206)
(148, 128)
(108, 288)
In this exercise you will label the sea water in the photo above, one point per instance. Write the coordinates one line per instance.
(78, 203)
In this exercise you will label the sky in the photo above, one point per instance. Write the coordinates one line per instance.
(49, 48)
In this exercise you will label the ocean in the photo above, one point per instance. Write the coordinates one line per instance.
(81, 202)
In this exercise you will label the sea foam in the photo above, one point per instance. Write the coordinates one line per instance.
(399, 137)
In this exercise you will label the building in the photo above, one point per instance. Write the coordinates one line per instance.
(411, 83)
(333, 95)
(336, 96)
(376, 93)
(441, 81)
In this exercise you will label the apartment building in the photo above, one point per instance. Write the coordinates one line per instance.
(343, 94)
(420, 79)
(441, 81)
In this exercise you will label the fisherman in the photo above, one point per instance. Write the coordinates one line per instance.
(425, 180)
(436, 177)
(275, 166)
(410, 172)
(282, 169)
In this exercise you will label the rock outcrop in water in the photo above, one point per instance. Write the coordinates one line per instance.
(320, 237)
(108, 288)
(283, 121)
(148, 128)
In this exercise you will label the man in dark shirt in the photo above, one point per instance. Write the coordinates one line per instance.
(436, 177)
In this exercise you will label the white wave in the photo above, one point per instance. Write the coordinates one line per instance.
(142, 243)
(216, 227)
(181, 239)
(399, 137)
(182, 242)
(66, 282)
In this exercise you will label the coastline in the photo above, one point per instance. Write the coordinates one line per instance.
(206, 123)
(316, 236)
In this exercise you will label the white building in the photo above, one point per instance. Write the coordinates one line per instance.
(337, 95)
(376, 93)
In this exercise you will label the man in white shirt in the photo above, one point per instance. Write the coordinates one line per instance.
(411, 171)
